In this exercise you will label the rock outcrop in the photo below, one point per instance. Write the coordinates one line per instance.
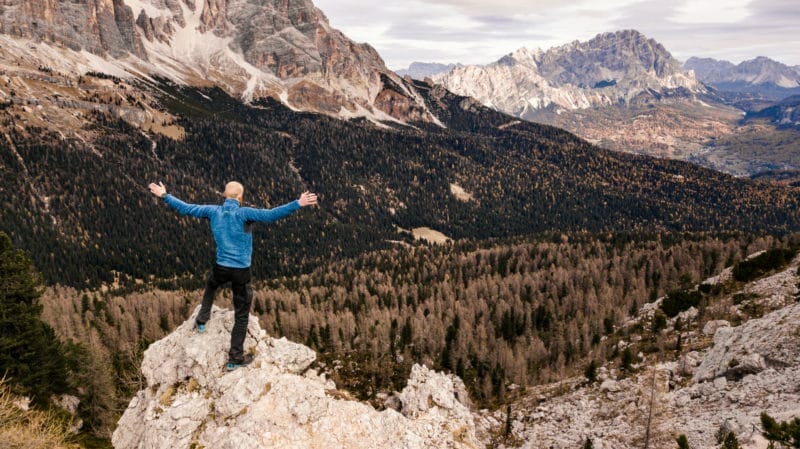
(277, 401)
(772, 341)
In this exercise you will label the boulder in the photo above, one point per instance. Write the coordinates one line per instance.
(711, 327)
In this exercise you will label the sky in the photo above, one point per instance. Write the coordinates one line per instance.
(482, 31)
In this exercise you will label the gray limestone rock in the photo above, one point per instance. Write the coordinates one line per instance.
(276, 401)
(753, 346)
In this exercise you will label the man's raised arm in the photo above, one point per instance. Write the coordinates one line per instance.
(270, 215)
(193, 210)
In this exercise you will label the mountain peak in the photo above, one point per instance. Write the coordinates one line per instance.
(277, 400)
(609, 69)
(761, 75)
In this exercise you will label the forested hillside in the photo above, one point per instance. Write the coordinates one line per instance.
(83, 210)
(503, 313)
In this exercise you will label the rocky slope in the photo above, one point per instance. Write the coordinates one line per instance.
(725, 379)
(277, 401)
(727, 373)
(281, 49)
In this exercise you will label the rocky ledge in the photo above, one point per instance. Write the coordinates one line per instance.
(190, 401)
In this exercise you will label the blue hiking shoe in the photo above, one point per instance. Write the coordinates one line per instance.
(201, 327)
(232, 365)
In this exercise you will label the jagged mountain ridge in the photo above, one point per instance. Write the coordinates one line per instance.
(277, 48)
(627, 93)
(609, 69)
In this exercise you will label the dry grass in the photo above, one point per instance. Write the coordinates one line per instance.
(430, 236)
(31, 429)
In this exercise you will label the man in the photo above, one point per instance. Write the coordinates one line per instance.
(231, 225)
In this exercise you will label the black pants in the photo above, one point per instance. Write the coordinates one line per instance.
(242, 297)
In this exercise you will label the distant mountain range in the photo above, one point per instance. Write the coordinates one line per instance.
(620, 90)
(626, 92)
(422, 70)
(764, 77)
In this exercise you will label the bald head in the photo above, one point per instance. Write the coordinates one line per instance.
(234, 190)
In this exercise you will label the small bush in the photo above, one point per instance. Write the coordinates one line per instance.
(731, 442)
(743, 297)
(786, 434)
(683, 442)
(627, 360)
(679, 300)
(659, 323)
(591, 372)
(747, 270)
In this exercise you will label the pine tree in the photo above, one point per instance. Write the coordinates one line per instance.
(30, 354)
(591, 372)
(787, 434)
(731, 442)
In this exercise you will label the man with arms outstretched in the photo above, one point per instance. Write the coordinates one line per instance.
(231, 225)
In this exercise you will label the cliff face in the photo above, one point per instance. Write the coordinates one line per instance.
(283, 49)
(277, 401)
(97, 26)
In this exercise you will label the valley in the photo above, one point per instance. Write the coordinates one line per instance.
(507, 255)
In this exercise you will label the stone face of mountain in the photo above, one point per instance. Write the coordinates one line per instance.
(610, 69)
(626, 92)
(97, 26)
(282, 49)
(422, 70)
(277, 401)
(761, 76)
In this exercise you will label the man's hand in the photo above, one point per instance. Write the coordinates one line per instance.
(158, 189)
(308, 199)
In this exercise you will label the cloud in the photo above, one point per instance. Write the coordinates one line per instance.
(481, 31)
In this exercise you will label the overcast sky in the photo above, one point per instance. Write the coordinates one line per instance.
(481, 31)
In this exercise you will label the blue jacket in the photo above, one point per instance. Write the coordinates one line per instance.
(230, 225)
